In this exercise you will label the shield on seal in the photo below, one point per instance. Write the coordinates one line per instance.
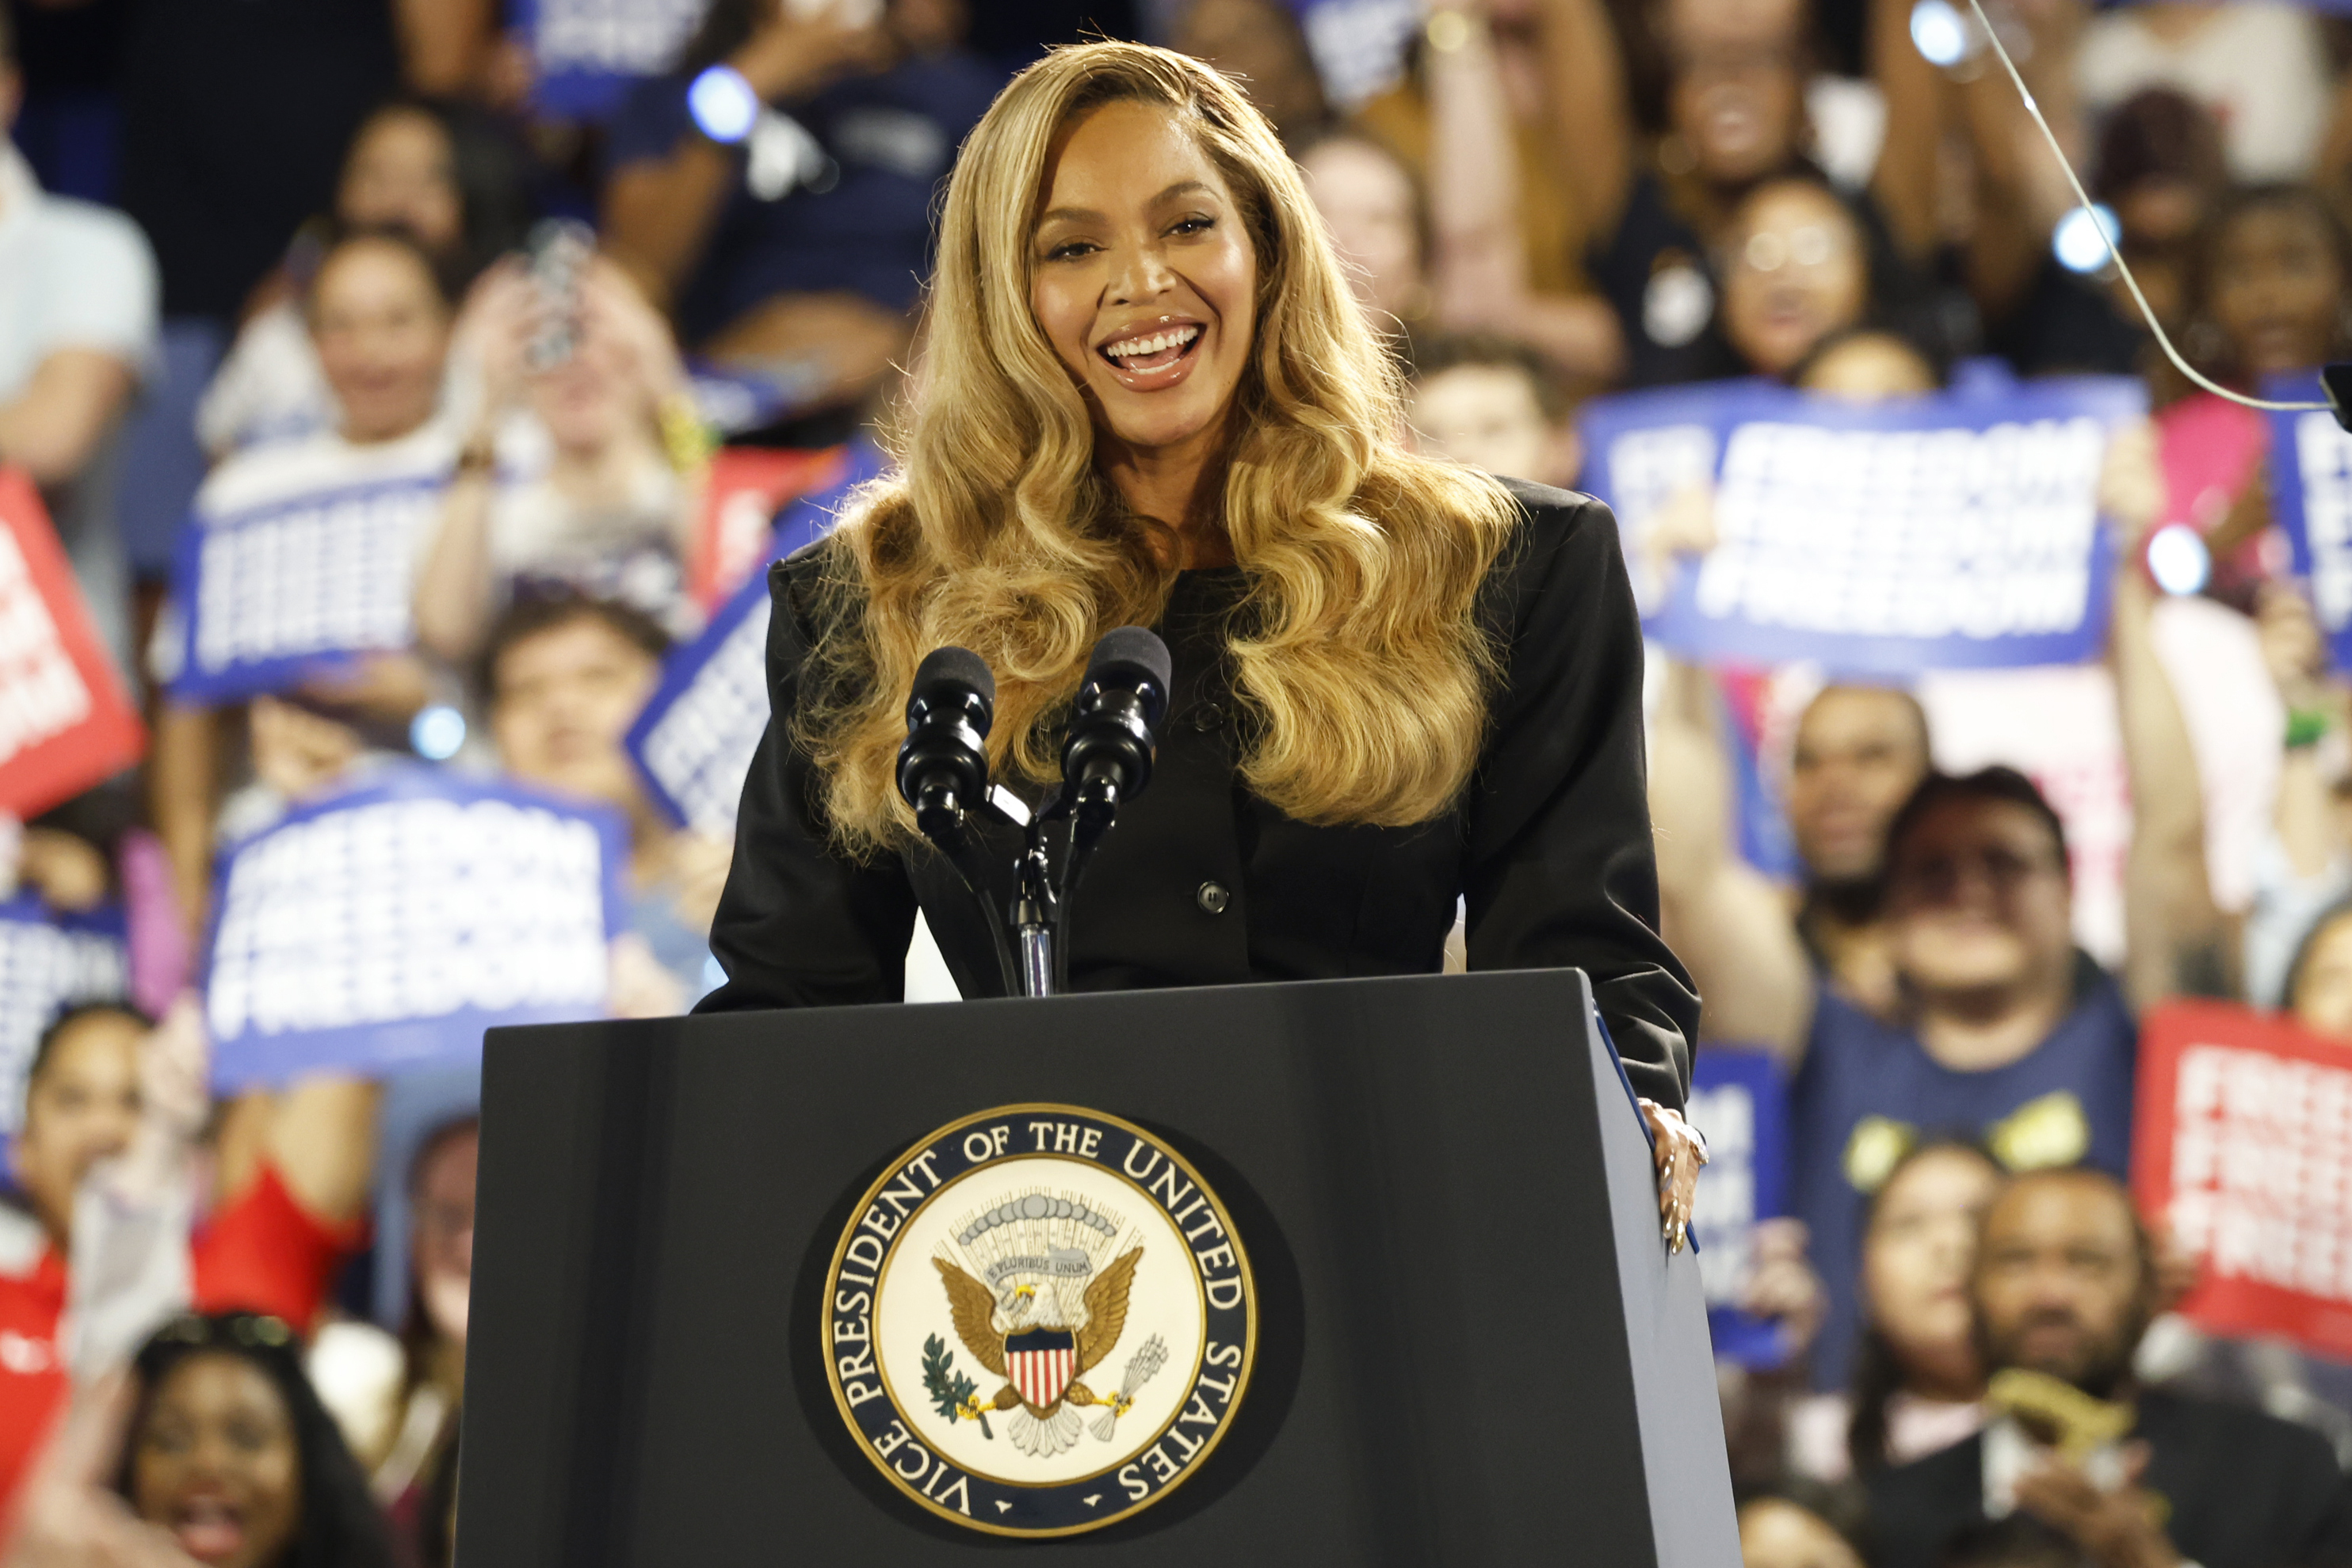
(1041, 1363)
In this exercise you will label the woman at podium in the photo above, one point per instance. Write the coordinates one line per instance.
(1147, 396)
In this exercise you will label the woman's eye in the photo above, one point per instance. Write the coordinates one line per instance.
(1194, 227)
(1069, 250)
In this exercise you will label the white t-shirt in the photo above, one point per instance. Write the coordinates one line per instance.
(2259, 66)
(270, 387)
(72, 276)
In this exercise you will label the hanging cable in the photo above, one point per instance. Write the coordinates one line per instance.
(2114, 253)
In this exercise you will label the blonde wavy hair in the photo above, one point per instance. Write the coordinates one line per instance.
(1360, 669)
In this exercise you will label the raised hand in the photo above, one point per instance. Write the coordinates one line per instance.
(68, 1516)
(2116, 1528)
(802, 47)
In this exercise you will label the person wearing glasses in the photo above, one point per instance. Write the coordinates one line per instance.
(2006, 1033)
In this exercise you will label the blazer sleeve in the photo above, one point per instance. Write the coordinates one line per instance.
(1561, 871)
(798, 924)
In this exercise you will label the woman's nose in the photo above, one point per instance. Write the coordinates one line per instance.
(1144, 275)
(212, 1457)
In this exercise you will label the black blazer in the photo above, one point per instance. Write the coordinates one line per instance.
(1202, 882)
(2242, 1489)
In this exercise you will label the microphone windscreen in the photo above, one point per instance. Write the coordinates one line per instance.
(1136, 647)
(959, 666)
(960, 669)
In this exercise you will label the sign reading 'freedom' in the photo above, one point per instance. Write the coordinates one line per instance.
(695, 739)
(2243, 1150)
(65, 722)
(1942, 532)
(272, 594)
(2311, 500)
(50, 961)
(393, 923)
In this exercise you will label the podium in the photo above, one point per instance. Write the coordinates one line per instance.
(1471, 1345)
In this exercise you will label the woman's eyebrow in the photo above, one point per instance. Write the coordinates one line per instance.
(1088, 214)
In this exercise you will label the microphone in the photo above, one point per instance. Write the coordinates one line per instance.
(1114, 728)
(1105, 759)
(943, 765)
(944, 774)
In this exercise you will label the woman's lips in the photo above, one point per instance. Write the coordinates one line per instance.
(209, 1532)
(1166, 360)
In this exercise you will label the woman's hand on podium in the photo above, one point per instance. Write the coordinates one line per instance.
(1679, 1152)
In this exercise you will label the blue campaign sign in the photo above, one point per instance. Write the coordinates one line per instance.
(1955, 531)
(1643, 448)
(2311, 499)
(1739, 1100)
(693, 740)
(389, 925)
(275, 594)
(50, 961)
(585, 54)
(1759, 811)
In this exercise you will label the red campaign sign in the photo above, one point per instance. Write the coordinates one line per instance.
(2242, 1144)
(746, 487)
(65, 722)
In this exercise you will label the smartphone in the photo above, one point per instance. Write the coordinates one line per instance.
(556, 257)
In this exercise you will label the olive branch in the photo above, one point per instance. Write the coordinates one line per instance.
(952, 1392)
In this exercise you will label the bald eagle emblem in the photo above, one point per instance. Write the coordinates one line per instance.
(1048, 1304)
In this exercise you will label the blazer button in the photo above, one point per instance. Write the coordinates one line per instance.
(1208, 716)
(1213, 898)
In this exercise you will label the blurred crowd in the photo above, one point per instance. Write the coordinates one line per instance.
(258, 250)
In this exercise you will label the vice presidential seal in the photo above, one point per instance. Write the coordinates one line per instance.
(1039, 1320)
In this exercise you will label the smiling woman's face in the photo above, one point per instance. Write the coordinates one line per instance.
(215, 1463)
(1144, 278)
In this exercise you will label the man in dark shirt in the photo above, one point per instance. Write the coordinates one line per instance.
(811, 286)
(2008, 1034)
(2064, 1285)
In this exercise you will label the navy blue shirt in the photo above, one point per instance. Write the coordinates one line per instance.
(1868, 1090)
(895, 136)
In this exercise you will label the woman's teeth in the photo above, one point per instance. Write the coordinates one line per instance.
(1160, 348)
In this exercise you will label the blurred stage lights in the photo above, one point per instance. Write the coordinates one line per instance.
(723, 104)
(1940, 33)
(2080, 240)
(438, 732)
(2177, 560)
